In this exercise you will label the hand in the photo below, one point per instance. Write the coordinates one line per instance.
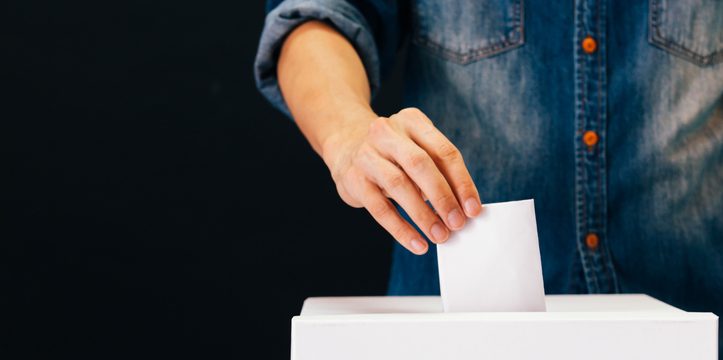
(403, 157)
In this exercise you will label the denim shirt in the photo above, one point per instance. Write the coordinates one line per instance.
(608, 113)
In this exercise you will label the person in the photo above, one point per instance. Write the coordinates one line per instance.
(608, 113)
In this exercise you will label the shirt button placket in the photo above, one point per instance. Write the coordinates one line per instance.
(590, 123)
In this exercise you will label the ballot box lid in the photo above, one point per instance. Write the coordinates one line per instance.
(433, 304)
(629, 326)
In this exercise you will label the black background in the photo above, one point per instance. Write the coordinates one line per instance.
(155, 205)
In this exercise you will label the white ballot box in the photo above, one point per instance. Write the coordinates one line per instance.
(574, 327)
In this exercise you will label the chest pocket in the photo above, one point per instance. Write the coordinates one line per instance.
(466, 31)
(692, 30)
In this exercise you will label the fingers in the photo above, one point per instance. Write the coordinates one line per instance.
(407, 159)
(421, 169)
(384, 212)
(447, 158)
(397, 185)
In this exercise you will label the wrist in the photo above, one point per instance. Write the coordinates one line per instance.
(345, 135)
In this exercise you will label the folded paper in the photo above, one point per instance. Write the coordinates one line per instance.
(493, 263)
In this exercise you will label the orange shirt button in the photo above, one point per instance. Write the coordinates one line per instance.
(592, 241)
(590, 138)
(589, 45)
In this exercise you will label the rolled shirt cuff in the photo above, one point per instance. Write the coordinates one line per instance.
(292, 13)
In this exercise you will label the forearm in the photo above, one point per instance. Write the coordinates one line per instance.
(324, 83)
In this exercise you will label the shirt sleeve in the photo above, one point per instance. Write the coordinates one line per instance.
(371, 26)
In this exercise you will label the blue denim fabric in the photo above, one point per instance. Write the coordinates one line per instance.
(510, 84)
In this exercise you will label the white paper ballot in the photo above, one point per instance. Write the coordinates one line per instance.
(493, 263)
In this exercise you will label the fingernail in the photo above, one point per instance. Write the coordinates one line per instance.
(455, 219)
(418, 247)
(472, 207)
(439, 232)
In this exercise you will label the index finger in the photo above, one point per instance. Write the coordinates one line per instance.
(448, 159)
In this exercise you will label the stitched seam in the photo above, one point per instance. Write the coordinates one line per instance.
(579, 155)
(656, 37)
(497, 47)
(602, 149)
(487, 51)
(604, 176)
(600, 153)
(677, 49)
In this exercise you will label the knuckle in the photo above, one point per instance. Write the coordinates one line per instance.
(394, 180)
(378, 122)
(347, 190)
(448, 152)
(416, 114)
(380, 209)
(397, 122)
(340, 176)
(411, 111)
(346, 197)
(467, 188)
(399, 232)
(417, 161)
(423, 216)
(396, 118)
(446, 200)
(352, 181)
(379, 127)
